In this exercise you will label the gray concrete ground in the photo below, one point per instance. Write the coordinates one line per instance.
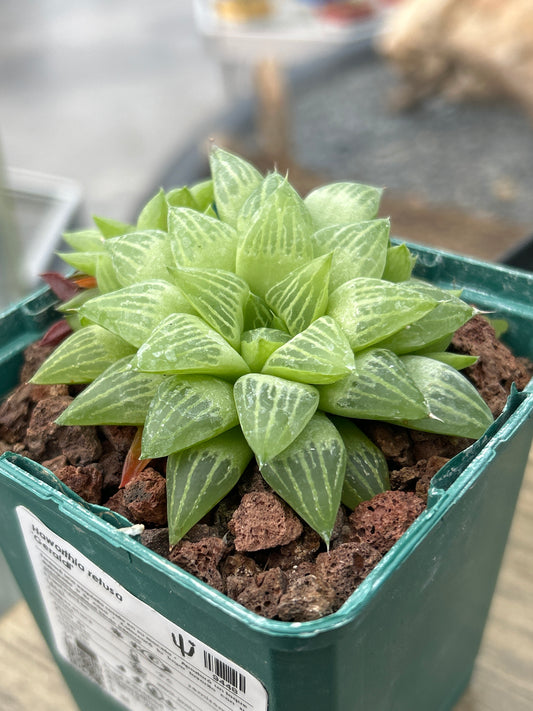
(102, 91)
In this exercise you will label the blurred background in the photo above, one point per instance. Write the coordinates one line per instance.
(102, 102)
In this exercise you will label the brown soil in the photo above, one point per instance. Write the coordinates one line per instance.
(252, 546)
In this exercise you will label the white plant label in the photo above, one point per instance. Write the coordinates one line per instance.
(139, 657)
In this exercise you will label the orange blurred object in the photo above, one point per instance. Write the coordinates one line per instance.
(243, 10)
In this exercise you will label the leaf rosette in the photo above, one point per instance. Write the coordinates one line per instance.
(236, 320)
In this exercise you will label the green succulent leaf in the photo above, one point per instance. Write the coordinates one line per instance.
(380, 388)
(200, 241)
(449, 314)
(257, 200)
(185, 411)
(199, 477)
(436, 346)
(78, 300)
(106, 277)
(367, 473)
(119, 396)
(302, 296)
(71, 307)
(368, 310)
(219, 297)
(343, 204)
(210, 211)
(82, 357)
(272, 412)
(277, 240)
(181, 197)
(85, 262)
(278, 323)
(134, 311)
(203, 194)
(399, 264)
(183, 344)
(139, 256)
(459, 361)
(456, 408)
(85, 240)
(500, 326)
(256, 313)
(258, 344)
(234, 179)
(309, 474)
(320, 354)
(112, 228)
(153, 216)
(359, 249)
(247, 304)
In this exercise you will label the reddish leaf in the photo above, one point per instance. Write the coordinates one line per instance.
(62, 287)
(57, 332)
(132, 464)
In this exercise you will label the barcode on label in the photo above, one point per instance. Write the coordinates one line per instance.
(225, 671)
(84, 659)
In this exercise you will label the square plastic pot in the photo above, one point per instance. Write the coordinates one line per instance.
(130, 630)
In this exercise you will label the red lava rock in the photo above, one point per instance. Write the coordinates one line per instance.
(404, 479)
(346, 567)
(381, 521)
(146, 498)
(496, 368)
(340, 521)
(306, 567)
(224, 513)
(298, 551)
(120, 438)
(34, 356)
(252, 480)
(418, 477)
(41, 435)
(46, 440)
(18, 448)
(157, 540)
(307, 597)
(79, 444)
(15, 413)
(346, 535)
(84, 481)
(56, 463)
(427, 444)
(201, 559)
(408, 478)
(111, 466)
(200, 531)
(116, 503)
(238, 570)
(393, 441)
(42, 392)
(262, 521)
(264, 592)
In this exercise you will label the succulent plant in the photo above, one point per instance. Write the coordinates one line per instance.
(236, 319)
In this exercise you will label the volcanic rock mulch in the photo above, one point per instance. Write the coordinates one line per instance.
(252, 546)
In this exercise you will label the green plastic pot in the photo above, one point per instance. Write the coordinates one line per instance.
(130, 630)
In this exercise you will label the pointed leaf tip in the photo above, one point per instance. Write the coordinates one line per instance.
(272, 412)
(309, 474)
